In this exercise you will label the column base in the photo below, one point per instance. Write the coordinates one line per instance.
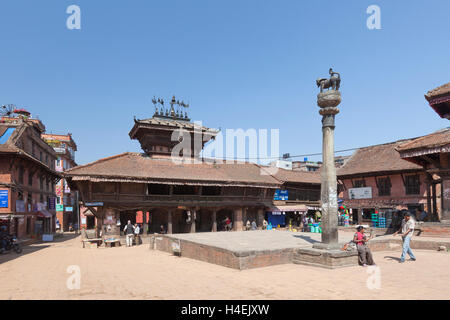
(330, 259)
(327, 246)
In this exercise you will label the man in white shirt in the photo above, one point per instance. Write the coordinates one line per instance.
(407, 230)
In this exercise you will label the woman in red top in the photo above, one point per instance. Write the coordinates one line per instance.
(364, 254)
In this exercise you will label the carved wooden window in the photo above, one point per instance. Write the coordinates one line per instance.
(412, 184)
(158, 189)
(21, 173)
(30, 178)
(384, 186)
(361, 183)
(211, 191)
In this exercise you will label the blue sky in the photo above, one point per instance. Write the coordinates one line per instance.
(240, 64)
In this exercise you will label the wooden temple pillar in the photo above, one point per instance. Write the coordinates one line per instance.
(435, 212)
(169, 221)
(237, 219)
(214, 220)
(428, 182)
(360, 216)
(145, 223)
(445, 213)
(193, 220)
(260, 218)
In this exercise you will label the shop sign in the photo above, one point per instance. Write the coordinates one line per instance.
(4, 198)
(360, 193)
(281, 195)
(59, 207)
(69, 209)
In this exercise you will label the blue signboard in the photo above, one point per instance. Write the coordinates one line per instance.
(4, 199)
(93, 204)
(69, 209)
(281, 195)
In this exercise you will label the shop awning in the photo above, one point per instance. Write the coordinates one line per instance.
(44, 214)
(289, 208)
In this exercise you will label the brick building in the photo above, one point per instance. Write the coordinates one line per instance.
(66, 199)
(432, 153)
(27, 178)
(375, 178)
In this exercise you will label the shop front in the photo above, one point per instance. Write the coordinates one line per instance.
(286, 216)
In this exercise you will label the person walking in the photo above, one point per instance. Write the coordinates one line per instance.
(407, 231)
(364, 254)
(254, 226)
(264, 224)
(129, 231)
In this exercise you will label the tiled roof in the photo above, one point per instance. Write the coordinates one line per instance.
(439, 91)
(375, 159)
(297, 176)
(437, 139)
(141, 168)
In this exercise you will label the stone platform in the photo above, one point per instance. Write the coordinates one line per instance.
(242, 249)
(254, 249)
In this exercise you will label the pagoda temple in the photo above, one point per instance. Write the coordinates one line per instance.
(151, 189)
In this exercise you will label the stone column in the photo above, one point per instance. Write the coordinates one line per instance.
(169, 221)
(328, 102)
(237, 220)
(214, 220)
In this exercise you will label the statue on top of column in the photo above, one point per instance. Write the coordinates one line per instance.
(334, 82)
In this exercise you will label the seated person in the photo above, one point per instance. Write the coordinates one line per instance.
(364, 254)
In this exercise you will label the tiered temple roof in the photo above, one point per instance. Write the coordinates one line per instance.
(439, 100)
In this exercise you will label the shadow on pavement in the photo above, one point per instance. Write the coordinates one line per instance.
(36, 246)
(306, 238)
(392, 258)
(11, 255)
(65, 237)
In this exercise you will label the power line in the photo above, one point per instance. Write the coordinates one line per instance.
(277, 158)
